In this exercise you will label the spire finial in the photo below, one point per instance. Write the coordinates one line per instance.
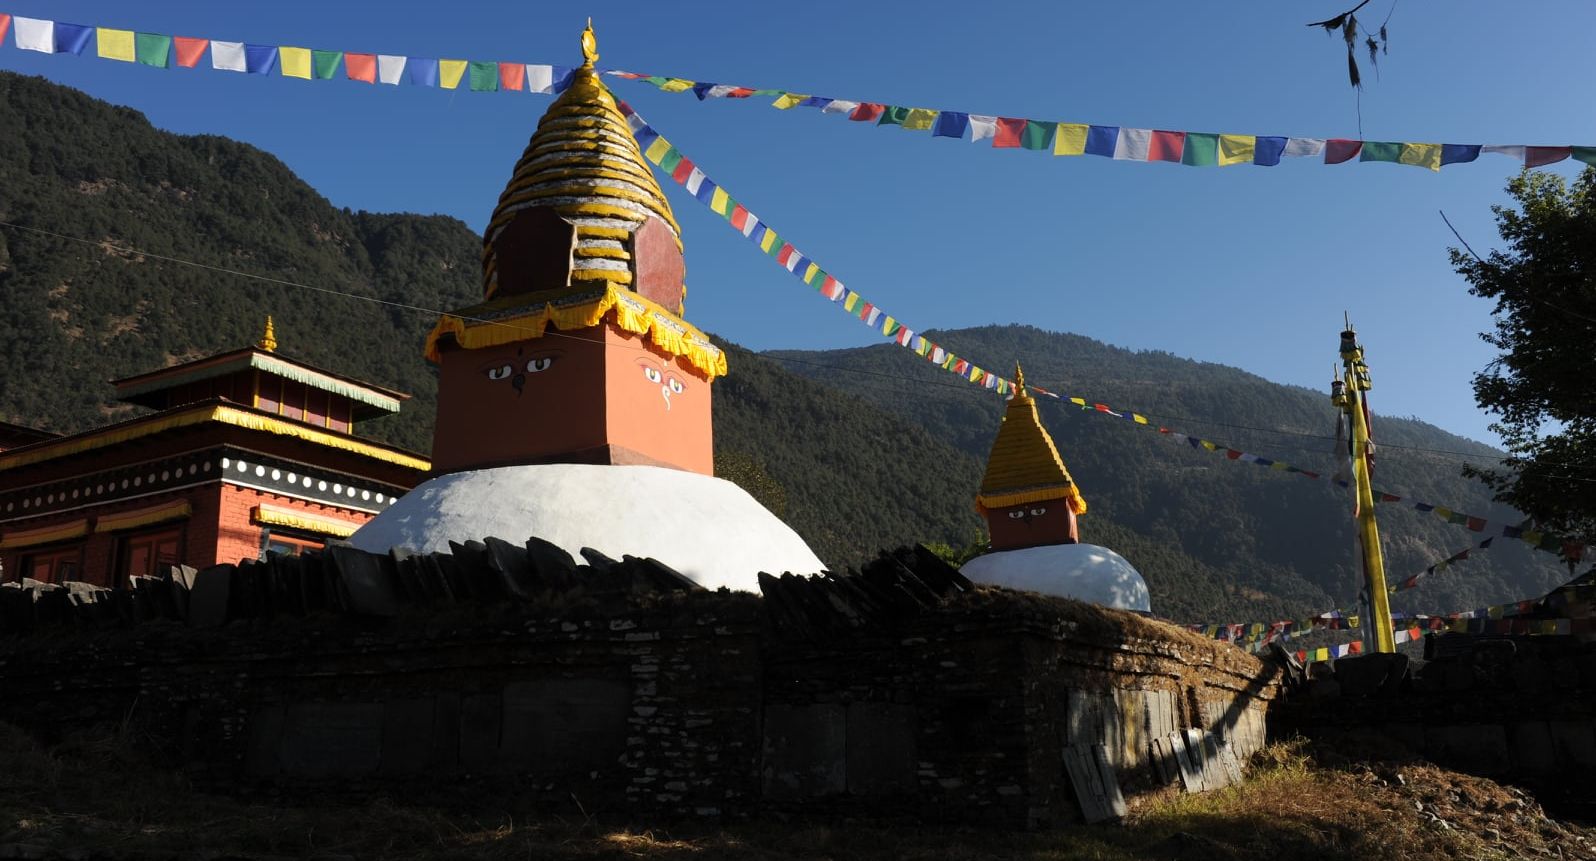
(1019, 382)
(590, 52)
(268, 341)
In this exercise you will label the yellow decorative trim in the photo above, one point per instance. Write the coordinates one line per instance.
(45, 535)
(601, 251)
(629, 311)
(200, 415)
(987, 501)
(595, 278)
(271, 515)
(143, 517)
(596, 232)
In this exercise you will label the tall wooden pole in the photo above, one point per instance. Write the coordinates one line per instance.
(1351, 398)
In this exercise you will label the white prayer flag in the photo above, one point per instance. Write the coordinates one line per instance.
(720, 91)
(1300, 147)
(1132, 144)
(540, 79)
(1515, 152)
(228, 56)
(34, 34)
(694, 179)
(839, 106)
(982, 128)
(391, 68)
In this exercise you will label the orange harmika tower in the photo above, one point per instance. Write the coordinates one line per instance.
(1027, 496)
(579, 353)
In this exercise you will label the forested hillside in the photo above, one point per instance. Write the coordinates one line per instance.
(858, 449)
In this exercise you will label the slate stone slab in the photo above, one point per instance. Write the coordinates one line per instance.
(366, 581)
(327, 740)
(208, 603)
(559, 726)
(551, 563)
(515, 569)
(805, 751)
(881, 748)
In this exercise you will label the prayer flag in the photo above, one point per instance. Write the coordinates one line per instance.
(787, 100)
(1300, 147)
(1009, 132)
(114, 44)
(950, 124)
(1380, 151)
(866, 112)
(153, 49)
(1459, 153)
(1037, 135)
(296, 62)
(1586, 154)
(484, 76)
(1477, 524)
(1267, 151)
(450, 72)
(547, 79)
(695, 181)
(189, 50)
(893, 116)
(1166, 146)
(35, 34)
(325, 63)
(718, 202)
(1235, 149)
(1421, 155)
(391, 68)
(1338, 150)
(5, 24)
(702, 91)
(1513, 152)
(839, 106)
(423, 71)
(71, 38)
(512, 76)
(1133, 144)
(919, 119)
(1536, 156)
(982, 127)
(1101, 140)
(814, 102)
(228, 56)
(1202, 150)
(1069, 139)
(259, 59)
(676, 85)
(361, 67)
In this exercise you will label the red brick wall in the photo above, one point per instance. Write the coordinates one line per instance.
(237, 536)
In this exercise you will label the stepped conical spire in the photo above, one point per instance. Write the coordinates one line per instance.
(1024, 465)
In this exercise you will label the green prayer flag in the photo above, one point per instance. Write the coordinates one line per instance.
(1586, 154)
(325, 63)
(484, 76)
(893, 116)
(667, 162)
(1201, 150)
(1038, 135)
(153, 49)
(1381, 151)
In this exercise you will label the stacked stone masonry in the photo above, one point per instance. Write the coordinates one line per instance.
(899, 691)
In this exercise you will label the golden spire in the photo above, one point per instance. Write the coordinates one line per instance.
(1019, 382)
(1024, 465)
(268, 341)
(590, 52)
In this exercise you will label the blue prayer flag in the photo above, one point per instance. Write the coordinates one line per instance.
(260, 59)
(702, 90)
(814, 102)
(561, 76)
(706, 189)
(1459, 153)
(423, 71)
(950, 124)
(1423, 506)
(645, 136)
(758, 234)
(1266, 150)
(71, 38)
(1100, 140)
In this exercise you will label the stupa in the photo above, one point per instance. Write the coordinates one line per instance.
(574, 402)
(1031, 503)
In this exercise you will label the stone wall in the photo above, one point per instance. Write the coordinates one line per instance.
(899, 691)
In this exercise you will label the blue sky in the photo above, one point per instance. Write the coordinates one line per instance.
(1241, 265)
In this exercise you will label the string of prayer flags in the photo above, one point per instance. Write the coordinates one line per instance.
(1416, 579)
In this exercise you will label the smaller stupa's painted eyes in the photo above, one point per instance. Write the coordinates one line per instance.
(1038, 512)
(1016, 515)
(500, 373)
(539, 365)
(676, 386)
(652, 374)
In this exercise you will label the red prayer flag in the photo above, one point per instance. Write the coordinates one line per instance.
(1573, 551)
(740, 93)
(1232, 453)
(785, 254)
(1338, 150)
(1010, 132)
(1477, 524)
(1166, 146)
(361, 67)
(189, 50)
(1535, 156)
(739, 217)
(512, 76)
(867, 111)
(684, 169)
(5, 24)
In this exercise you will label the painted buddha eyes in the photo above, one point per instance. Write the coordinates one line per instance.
(1038, 512)
(500, 373)
(1020, 514)
(536, 365)
(1016, 515)
(652, 374)
(539, 365)
(676, 386)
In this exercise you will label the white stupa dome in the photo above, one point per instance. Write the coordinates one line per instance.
(1084, 572)
(709, 529)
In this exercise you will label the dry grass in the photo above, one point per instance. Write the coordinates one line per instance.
(91, 798)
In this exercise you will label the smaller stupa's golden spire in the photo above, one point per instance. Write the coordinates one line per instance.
(590, 52)
(268, 341)
(1019, 382)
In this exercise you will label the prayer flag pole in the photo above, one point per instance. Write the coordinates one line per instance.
(1348, 394)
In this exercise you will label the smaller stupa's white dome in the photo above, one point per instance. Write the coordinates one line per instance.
(1084, 572)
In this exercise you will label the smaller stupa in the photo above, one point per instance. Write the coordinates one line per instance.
(1031, 503)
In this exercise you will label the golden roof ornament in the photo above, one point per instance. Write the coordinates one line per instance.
(1019, 382)
(1024, 465)
(268, 341)
(590, 52)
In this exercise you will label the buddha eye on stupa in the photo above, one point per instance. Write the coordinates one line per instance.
(1038, 512)
(539, 365)
(499, 372)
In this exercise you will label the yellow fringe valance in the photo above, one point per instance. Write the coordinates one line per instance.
(45, 534)
(143, 517)
(271, 515)
(626, 309)
(987, 501)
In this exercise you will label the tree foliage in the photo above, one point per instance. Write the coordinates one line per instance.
(1542, 388)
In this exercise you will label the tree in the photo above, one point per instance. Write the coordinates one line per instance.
(1542, 388)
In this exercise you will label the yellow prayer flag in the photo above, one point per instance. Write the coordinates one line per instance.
(1422, 155)
(920, 119)
(657, 150)
(296, 62)
(787, 100)
(676, 85)
(1141, 420)
(718, 201)
(1080, 402)
(809, 272)
(886, 325)
(769, 241)
(1209, 445)
(1532, 537)
(1236, 149)
(452, 71)
(1070, 139)
(852, 302)
(115, 44)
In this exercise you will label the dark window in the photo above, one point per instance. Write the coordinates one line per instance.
(55, 565)
(290, 545)
(144, 553)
